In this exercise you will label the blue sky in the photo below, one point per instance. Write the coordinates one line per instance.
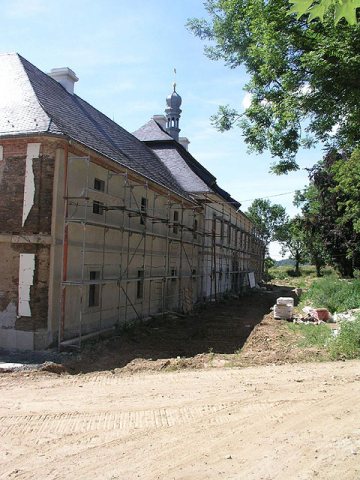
(124, 53)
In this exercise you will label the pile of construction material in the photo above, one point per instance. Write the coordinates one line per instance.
(284, 308)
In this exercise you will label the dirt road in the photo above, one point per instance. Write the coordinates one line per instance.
(274, 422)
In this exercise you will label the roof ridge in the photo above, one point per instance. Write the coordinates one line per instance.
(21, 59)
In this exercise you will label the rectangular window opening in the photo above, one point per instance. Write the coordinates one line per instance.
(195, 229)
(99, 185)
(98, 207)
(94, 289)
(140, 284)
(143, 209)
(176, 222)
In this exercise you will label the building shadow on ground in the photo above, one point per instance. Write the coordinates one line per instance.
(217, 328)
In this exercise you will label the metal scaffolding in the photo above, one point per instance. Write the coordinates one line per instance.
(131, 252)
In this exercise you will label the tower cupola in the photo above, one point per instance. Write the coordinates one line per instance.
(173, 112)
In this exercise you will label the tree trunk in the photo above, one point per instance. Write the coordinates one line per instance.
(297, 264)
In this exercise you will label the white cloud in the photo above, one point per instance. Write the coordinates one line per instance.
(246, 102)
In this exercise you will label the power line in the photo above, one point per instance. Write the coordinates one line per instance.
(271, 196)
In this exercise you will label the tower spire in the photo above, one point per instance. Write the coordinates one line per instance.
(173, 112)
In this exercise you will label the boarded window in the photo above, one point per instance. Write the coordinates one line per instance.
(26, 279)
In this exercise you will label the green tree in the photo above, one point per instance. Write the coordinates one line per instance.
(330, 210)
(293, 242)
(347, 177)
(318, 8)
(268, 219)
(304, 77)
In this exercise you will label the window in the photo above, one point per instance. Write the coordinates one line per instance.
(140, 284)
(98, 207)
(143, 208)
(195, 229)
(94, 289)
(173, 274)
(99, 185)
(193, 273)
(176, 222)
(229, 233)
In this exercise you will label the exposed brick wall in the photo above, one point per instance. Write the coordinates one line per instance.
(39, 290)
(38, 221)
(12, 176)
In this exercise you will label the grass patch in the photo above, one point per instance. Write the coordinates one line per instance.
(347, 343)
(286, 275)
(334, 294)
(311, 335)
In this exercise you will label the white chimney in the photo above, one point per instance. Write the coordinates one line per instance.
(161, 120)
(184, 141)
(65, 76)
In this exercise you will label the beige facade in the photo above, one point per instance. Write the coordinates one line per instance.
(122, 248)
(96, 228)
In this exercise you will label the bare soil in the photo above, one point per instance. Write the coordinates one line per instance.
(233, 332)
(268, 422)
(160, 401)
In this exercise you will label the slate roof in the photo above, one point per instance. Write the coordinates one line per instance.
(185, 176)
(192, 176)
(151, 131)
(32, 102)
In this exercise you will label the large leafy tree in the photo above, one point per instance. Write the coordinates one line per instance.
(293, 241)
(330, 209)
(268, 219)
(347, 178)
(304, 77)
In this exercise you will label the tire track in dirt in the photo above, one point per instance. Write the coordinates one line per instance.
(76, 422)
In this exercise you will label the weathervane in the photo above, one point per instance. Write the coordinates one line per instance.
(174, 84)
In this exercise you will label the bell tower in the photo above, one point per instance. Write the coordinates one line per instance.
(173, 112)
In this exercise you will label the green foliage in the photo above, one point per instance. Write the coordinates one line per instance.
(347, 188)
(294, 242)
(318, 8)
(330, 211)
(268, 219)
(333, 294)
(311, 335)
(301, 74)
(347, 343)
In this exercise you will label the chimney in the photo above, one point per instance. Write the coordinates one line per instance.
(65, 76)
(184, 141)
(161, 120)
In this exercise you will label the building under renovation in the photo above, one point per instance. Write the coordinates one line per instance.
(100, 227)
